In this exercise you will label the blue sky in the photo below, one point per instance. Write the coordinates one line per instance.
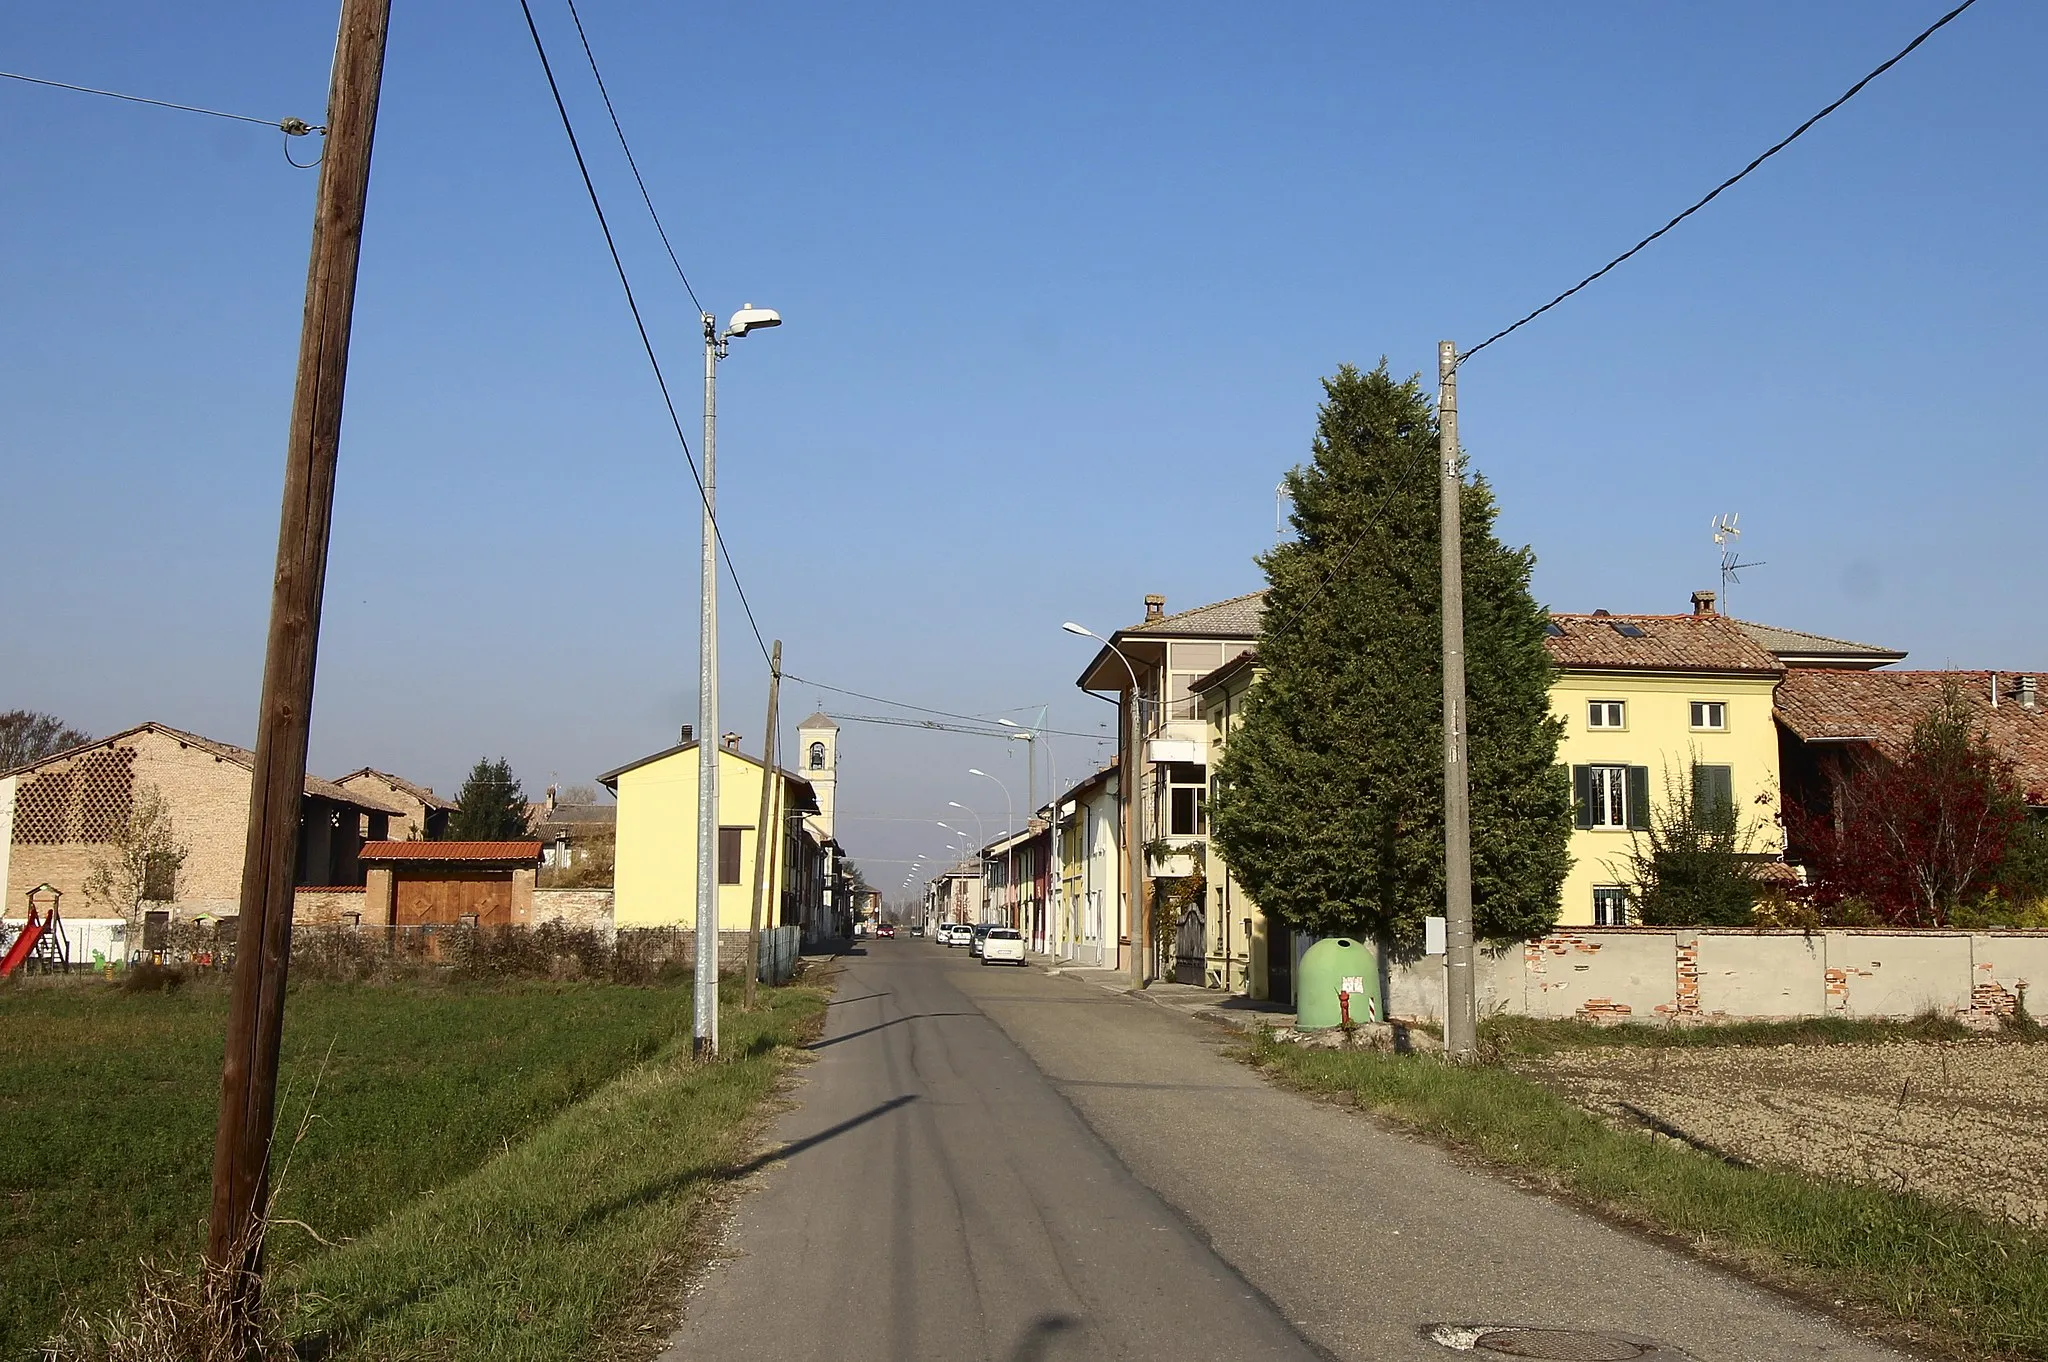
(1060, 282)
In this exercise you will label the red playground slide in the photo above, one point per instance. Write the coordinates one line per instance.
(23, 944)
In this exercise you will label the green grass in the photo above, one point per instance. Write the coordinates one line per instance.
(1539, 1036)
(108, 1102)
(1962, 1276)
(565, 1245)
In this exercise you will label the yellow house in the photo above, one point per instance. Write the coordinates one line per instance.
(1653, 703)
(655, 878)
(1247, 953)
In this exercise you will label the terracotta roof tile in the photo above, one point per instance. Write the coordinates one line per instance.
(450, 851)
(1238, 617)
(1661, 643)
(1823, 704)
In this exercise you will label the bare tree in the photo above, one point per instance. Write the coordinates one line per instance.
(26, 736)
(145, 857)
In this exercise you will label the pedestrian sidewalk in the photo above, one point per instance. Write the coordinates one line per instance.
(1363, 1237)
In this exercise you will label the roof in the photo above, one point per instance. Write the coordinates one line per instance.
(577, 815)
(517, 852)
(1829, 704)
(1087, 783)
(1657, 643)
(1245, 660)
(1238, 617)
(315, 787)
(1795, 647)
(819, 720)
(420, 792)
(610, 778)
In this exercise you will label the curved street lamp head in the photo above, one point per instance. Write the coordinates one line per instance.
(1083, 630)
(977, 771)
(1009, 723)
(751, 318)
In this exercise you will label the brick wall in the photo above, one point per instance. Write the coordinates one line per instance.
(209, 799)
(1662, 974)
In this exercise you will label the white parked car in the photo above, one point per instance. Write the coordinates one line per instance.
(1002, 944)
(952, 933)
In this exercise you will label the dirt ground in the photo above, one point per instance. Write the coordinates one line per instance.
(1962, 1122)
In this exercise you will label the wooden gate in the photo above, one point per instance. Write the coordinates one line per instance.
(447, 895)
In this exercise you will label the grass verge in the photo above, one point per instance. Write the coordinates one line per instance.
(1947, 1276)
(1542, 1036)
(571, 1243)
(108, 1101)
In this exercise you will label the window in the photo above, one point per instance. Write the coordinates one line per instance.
(1713, 796)
(160, 876)
(1606, 714)
(817, 756)
(1709, 714)
(1187, 789)
(1186, 664)
(729, 855)
(1612, 797)
(1610, 906)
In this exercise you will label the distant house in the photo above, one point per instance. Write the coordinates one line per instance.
(1832, 720)
(426, 813)
(1650, 704)
(1089, 887)
(60, 815)
(571, 834)
(655, 879)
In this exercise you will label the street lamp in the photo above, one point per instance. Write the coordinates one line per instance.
(1009, 851)
(704, 1036)
(1134, 851)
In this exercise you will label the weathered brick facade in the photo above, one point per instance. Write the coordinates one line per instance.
(66, 813)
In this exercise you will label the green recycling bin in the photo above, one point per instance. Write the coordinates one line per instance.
(1337, 965)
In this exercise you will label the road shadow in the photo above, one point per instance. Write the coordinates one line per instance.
(830, 1041)
(661, 1188)
(1038, 1337)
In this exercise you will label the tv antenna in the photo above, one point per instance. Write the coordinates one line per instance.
(1725, 535)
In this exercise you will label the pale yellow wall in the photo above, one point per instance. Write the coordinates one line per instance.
(1659, 735)
(655, 879)
(1235, 920)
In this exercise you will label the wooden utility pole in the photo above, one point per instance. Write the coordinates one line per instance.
(248, 1087)
(1461, 1018)
(767, 834)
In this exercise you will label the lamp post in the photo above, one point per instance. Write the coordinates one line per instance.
(704, 1035)
(1010, 850)
(1134, 851)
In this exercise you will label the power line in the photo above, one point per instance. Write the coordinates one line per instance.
(987, 731)
(290, 127)
(640, 324)
(1728, 183)
(596, 75)
(788, 675)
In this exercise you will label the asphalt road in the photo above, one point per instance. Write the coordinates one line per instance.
(996, 1163)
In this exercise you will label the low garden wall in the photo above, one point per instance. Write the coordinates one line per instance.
(1704, 975)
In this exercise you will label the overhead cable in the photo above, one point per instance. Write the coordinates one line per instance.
(640, 324)
(1728, 183)
(645, 198)
(290, 127)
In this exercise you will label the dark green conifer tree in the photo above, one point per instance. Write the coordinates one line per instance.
(490, 806)
(1330, 801)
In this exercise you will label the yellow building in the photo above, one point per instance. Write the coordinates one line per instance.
(1247, 952)
(655, 880)
(1653, 703)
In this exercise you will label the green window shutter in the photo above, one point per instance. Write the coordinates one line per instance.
(1713, 794)
(1639, 797)
(1582, 794)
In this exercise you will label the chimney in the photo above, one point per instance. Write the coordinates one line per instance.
(732, 742)
(688, 732)
(1155, 608)
(1703, 602)
(2029, 698)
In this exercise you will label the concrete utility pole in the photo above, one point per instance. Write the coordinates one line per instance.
(248, 1087)
(704, 1036)
(1134, 841)
(1461, 1018)
(765, 839)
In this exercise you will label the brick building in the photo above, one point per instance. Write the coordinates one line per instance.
(426, 813)
(60, 815)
